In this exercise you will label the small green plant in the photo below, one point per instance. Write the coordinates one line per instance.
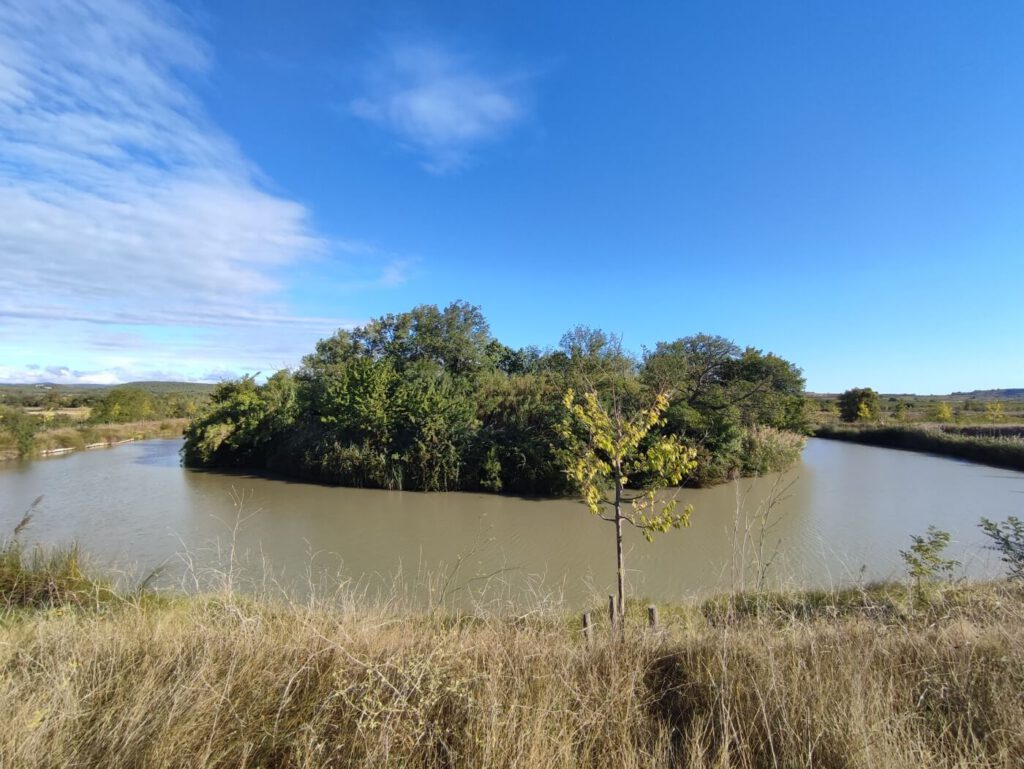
(1008, 540)
(924, 558)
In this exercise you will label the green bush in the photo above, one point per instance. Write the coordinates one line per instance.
(20, 428)
(924, 559)
(1008, 541)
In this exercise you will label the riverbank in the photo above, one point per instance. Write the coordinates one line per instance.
(862, 678)
(998, 446)
(64, 440)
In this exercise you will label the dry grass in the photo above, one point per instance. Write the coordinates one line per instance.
(106, 434)
(77, 413)
(93, 678)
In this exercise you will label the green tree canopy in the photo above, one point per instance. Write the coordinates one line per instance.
(859, 404)
(124, 404)
(428, 399)
(721, 392)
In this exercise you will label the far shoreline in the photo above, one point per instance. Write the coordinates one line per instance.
(49, 444)
(971, 444)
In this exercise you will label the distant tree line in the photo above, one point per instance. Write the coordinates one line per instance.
(430, 400)
(865, 406)
(136, 404)
(147, 400)
(20, 424)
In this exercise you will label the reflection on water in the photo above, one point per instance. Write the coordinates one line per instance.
(842, 514)
(156, 453)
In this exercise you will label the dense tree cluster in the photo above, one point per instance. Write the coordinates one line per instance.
(428, 399)
(859, 404)
(136, 404)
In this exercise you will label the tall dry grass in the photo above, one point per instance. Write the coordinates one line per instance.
(865, 678)
(81, 436)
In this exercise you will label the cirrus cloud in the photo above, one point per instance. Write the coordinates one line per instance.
(123, 205)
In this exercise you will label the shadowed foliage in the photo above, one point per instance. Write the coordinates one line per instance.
(429, 400)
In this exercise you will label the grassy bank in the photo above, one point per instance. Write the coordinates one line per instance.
(87, 435)
(94, 677)
(996, 446)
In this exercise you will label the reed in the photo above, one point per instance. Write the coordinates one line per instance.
(998, 449)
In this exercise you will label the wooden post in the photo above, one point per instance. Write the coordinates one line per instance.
(588, 630)
(613, 616)
(652, 617)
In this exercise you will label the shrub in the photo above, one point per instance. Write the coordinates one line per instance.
(1008, 539)
(940, 412)
(21, 427)
(924, 558)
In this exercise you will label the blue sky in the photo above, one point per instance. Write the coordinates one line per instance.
(203, 189)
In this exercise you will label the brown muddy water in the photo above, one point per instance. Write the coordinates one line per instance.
(840, 516)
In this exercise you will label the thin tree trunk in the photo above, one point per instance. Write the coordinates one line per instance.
(618, 553)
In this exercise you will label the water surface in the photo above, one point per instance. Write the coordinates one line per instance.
(841, 515)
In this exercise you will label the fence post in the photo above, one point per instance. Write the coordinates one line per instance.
(652, 617)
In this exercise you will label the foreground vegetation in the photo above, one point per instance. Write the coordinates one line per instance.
(873, 677)
(429, 400)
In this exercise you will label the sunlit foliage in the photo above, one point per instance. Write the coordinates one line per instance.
(430, 400)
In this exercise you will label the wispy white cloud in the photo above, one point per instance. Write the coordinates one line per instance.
(143, 352)
(35, 374)
(122, 204)
(441, 104)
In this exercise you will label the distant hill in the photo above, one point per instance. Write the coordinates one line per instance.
(163, 388)
(1006, 394)
(28, 394)
(152, 387)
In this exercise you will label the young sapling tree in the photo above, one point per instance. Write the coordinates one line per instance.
(618, 466)
(925, 561)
